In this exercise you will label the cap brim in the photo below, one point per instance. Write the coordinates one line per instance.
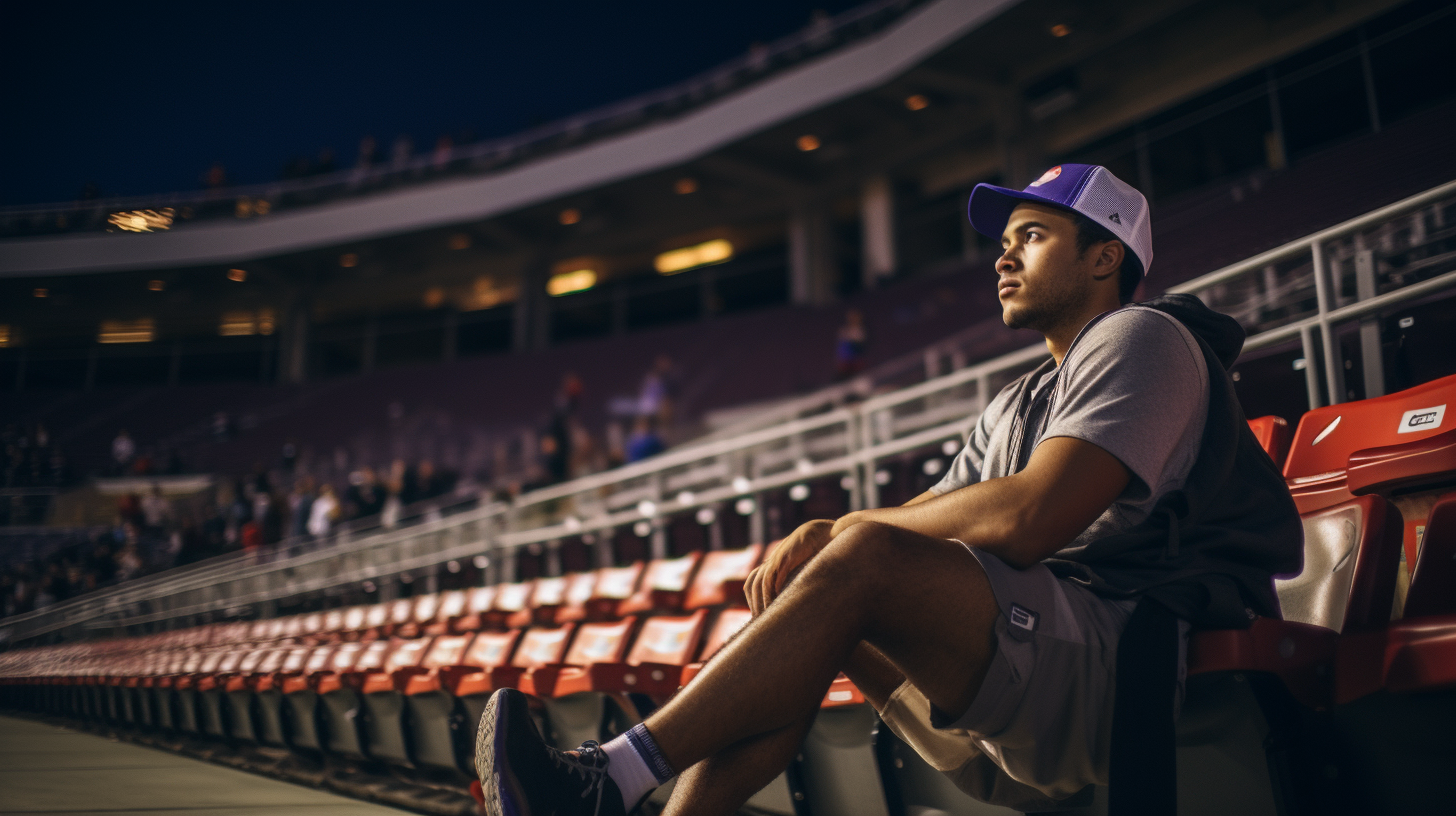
(990, 207)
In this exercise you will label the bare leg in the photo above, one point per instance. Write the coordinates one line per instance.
(922, 603)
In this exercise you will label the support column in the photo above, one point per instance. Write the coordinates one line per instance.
(877, 228)
(811, 255)
(1372, 357)
(293, 345)
(531, 317)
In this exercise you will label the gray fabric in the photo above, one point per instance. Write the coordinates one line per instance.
(1134, 385)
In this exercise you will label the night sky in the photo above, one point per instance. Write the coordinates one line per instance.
(142, 97)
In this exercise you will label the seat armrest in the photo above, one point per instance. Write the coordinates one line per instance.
(1430, 461)
(1406, 656)
(471, 684)
(1300, 654)
(541, 680)
(505, 676)
(653, 679)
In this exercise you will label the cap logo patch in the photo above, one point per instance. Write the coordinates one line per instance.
(1048, 176)
(1115, 219)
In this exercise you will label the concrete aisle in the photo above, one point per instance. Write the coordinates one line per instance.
(50, 770)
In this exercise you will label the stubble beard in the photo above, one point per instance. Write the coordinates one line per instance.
(1059, 303)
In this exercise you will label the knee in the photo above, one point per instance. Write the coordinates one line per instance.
(859, 545)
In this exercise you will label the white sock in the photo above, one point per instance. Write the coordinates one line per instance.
(635, 765)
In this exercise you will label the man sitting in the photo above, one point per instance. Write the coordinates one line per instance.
(982, 618)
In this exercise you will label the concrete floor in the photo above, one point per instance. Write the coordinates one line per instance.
(50, 770)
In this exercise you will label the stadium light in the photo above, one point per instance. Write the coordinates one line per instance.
(238, 275)
(569, 216)
(917, 102)
(127, 331)
(156, 285)
(565, 283)
(142, 220)
(4, 336)
(808, 142)
(705, 254)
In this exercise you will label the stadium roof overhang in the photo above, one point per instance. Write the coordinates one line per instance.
(839, 74)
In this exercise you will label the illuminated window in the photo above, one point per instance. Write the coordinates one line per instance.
(4, 336)
(808, 142)
(485, 294)
(242, 323)
(127, 331)
(578, 280)
(569, 216)
(917, 102)
(704, 254)
(156, 285)
(142, 220)
(238, 275)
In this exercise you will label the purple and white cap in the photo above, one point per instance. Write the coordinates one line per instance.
(1089, 189)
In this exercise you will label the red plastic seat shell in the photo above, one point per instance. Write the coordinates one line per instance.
(1301, 654)
(1406, 656)
(1422, 461)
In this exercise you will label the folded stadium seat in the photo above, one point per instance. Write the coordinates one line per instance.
(435, 720)
(478, 602)
(290, 629)
(341, 695)
(158, 687)
(573, 713)
(488, 652)
(242, 706)
(510, 605)
(1273, 434)
(580, 587)
(267, 687)
(164, 691)
(187, 689)
(720, 578)
(211, 689)
(422, 614)
(613, 586)
(355, 622)
(300, 692)
(547, 595)
(311, 627)
(376, 622)
(401, 614)
(664, 585)
(447, 613)
(333, 628)
(386, 733)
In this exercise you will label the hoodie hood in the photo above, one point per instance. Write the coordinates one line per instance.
(1223, 334)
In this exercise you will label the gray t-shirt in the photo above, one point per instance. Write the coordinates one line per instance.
(1134, 385)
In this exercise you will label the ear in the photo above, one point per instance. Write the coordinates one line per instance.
(1108, 261)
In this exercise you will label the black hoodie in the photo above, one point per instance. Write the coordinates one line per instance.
(1208, 551)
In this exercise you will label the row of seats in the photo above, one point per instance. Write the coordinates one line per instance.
(1370, 619)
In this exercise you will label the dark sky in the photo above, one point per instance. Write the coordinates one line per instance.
(142, 97)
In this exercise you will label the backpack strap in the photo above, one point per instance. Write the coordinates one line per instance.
(1143, 768)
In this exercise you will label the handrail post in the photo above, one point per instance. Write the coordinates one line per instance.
(1333, 362)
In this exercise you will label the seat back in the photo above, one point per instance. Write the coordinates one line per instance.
(662, 577)
(346, 655)
(355, 619)
(617, 583)
(671, 640)
(292, 627)
(447, 650)
(1273, 434)
(540, 647)
(426, 607)
(452, 604)
(312, 625)
(580, 587)
(548, 592)
(491, 649)
(334, 622)
(720, 577)
(273, 660)
(401, 612)
(318, 659)
(407, 654)
(252, 659)
(258, 631)
(376, 617)
(478, 603)
(1350, 560)
(1433, 583)
(276, 629)
(375, 655)
(1327, 436)
(512, 597)
(295, 659)
(600, 642)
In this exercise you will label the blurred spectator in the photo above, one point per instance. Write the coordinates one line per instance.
(849, 346)
(644, 441)
(365, 496)
(323, 513)
(123, 450)
(300, 506)
(658, 388)
(156, 511)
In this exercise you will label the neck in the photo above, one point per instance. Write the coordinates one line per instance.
(1059, 339)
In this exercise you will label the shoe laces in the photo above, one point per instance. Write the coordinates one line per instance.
(590, 761)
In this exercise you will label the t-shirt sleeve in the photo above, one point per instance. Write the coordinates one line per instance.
(965, 468)
(1136, 386)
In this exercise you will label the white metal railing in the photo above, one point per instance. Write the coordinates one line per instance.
(1304, 294)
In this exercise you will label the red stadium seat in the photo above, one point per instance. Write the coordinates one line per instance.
(664, 585)
(1273, 434)
(300, 691)
(478, 603)
(720, 579)
(435, 730)
(340, 693)
(384, 700)
(447, 613)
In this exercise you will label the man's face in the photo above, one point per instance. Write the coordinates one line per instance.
(1041, 281)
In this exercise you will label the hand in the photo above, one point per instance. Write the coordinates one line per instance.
(769, 578)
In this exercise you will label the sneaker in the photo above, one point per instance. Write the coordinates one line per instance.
(520, 775)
